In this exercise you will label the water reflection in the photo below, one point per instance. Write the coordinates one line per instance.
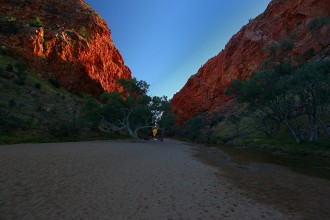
(318, 167)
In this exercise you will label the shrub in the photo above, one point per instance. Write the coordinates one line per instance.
(9, 20)
(20, 80)
(38, 107)
(9, 123)
(309, 53)
(79, 94)
(287, 44)
(54, 82)
(317, 23)
(21, 68)
(62, 129)
(11, 103)
(36, 22)
(37, 85)
(83, 31)
(9, 23)
(10, 68)
(5, 51)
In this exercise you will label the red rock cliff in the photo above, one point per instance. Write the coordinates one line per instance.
(65, 40)
(245, 51)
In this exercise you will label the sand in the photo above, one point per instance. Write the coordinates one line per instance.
(119, 180)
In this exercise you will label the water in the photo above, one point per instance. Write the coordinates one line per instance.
(312, 166)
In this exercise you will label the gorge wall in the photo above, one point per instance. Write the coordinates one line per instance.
(247, 49)
(64, 40)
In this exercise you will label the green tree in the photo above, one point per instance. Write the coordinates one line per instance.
(311, 83)
(89, 113)
(163, 115)
(129, 111)
(236, 121)
(283, 93)
(193, 128)
(268, 92)
(265, 123)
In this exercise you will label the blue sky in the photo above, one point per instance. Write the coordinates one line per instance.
(164, 42)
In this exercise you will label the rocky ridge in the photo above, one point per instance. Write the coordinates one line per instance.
(247, 49)
(65, 40)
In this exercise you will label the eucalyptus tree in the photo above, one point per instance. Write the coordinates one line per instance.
(311, 83)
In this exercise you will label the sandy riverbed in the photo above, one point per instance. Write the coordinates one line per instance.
(121, 180)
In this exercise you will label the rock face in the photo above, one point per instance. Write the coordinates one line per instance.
(65, 40)
(246, 50)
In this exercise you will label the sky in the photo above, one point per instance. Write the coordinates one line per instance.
(164, 42)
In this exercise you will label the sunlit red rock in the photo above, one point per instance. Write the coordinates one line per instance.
(73, 45)
(246, 50)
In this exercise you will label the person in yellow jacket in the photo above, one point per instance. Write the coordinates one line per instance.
(154, 132)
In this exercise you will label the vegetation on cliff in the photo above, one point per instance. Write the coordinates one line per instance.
(285, 97)
(282, 104)
(56, 60)
(33, 109)
(284, 94)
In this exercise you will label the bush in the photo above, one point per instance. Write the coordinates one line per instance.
(11, 103)
(10, 68)
(39, 107)
(21, 68)
(54, 82)
(5, 51)
(317, 23)
(9, 24)
(309, 53)
(37, 85)
(83, 31)
(79, 94)
(9, 20)
(20, 80)
(11, 123)
(62, 129)
(36, 22)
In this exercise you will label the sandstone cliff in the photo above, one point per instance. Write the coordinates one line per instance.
(246, 50)
(65, 40)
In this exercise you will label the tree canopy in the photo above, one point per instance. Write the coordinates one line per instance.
(130, 111)
(284, 92)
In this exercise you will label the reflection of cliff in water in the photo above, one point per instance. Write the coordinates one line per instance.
(236, 156)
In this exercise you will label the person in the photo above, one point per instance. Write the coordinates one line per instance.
(154, 132)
